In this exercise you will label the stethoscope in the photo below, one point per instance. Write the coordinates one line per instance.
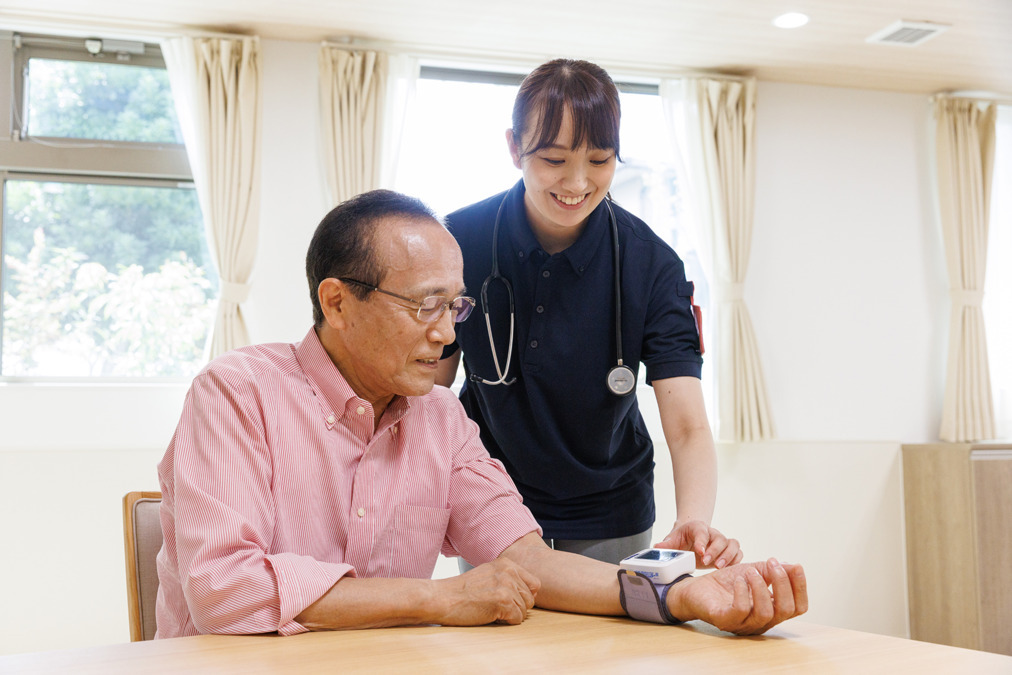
(621, 379)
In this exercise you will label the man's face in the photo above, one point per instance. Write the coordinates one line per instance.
(390, 351)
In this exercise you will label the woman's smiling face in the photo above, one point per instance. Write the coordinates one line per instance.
(563, 185)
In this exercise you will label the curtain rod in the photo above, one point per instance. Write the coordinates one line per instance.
(500, 60)
(983, 96)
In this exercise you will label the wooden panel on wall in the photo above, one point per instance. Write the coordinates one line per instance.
(958, 504)
(941, 573)
(992, 481)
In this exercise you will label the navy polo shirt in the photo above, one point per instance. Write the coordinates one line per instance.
(581, 456)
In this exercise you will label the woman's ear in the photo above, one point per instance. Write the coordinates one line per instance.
(333, 295)
(514, 149)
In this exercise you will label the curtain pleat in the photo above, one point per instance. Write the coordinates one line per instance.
(216, 83)
(726, 115)
(353, 92)
(964, 155)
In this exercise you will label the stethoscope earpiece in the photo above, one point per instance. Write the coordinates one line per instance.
(621, 378)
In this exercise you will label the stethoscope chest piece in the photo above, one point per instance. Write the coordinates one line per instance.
(621, 380)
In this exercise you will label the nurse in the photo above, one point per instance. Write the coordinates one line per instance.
(575, 294)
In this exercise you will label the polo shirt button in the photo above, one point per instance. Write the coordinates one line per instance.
(331, 419)
(521, 254)
(546, 274)
(541, 309)
(361, 512)
(360, 410)
(534, 344)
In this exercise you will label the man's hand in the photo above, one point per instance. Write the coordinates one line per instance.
(712, 548)
(745, 599)
(500, 591)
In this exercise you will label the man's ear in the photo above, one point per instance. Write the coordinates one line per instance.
(333, 297)
(514, 149)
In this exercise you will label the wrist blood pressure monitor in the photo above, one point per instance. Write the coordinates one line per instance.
(646, 577)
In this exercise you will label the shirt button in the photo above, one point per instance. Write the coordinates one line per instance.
(361, 512)
(360, 410)
(331, 419)
(546, 274)
(534, 344)
(541, 309)
(521, 254)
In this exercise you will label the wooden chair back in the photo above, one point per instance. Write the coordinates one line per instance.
(142, 539)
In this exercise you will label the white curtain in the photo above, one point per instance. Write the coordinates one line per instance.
(364, 96)
(715, 120)
(402, 81)
(964, 155)
(216, 83)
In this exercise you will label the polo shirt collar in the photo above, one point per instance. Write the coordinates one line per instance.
(337, 396)
(524, 243)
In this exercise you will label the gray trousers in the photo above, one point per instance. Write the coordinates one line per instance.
(606, 550)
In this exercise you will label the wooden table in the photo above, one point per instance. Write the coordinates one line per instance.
(547, 642)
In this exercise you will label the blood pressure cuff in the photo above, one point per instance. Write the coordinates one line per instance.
(644, 600)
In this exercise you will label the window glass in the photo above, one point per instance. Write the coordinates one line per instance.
(107, 280)
(101, 101)
(454, 149)
(997, 305)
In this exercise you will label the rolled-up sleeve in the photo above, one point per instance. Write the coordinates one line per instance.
(671, 345)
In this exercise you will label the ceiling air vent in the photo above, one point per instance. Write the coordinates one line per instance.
(907, 33)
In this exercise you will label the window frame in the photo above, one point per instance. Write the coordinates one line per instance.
(73, 155)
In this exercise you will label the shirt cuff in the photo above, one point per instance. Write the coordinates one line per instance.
(301, 582)
(662, 371)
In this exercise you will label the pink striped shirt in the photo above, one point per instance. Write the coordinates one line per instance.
(275, 485)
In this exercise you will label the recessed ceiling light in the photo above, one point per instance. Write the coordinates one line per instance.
(791, 20)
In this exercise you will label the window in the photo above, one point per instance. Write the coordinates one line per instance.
(454, 153)
(105, 268)
(998, 284)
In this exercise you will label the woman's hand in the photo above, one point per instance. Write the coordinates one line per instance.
(712, 548)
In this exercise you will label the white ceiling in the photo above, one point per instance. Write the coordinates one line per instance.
(626, 36)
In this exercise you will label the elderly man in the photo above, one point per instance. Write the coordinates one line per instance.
(311, 486)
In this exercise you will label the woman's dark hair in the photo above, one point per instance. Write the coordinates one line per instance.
(580, 86)
(343, 246)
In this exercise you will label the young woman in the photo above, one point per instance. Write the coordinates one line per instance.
(575, 294)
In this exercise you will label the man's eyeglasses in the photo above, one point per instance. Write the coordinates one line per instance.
(429, 308)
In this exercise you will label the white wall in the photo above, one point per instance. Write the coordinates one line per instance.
(844, 290)
(846, 285)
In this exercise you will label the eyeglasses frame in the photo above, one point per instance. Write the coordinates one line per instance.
(445, 306)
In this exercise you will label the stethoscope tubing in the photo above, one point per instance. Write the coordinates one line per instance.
(621, 379)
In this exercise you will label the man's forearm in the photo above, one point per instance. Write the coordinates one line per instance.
(497, 591)
(373, 603)
(569, 582)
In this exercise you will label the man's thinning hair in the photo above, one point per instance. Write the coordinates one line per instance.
(343, 244)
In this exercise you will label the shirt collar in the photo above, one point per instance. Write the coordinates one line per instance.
(524, 243)
(336, 395)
